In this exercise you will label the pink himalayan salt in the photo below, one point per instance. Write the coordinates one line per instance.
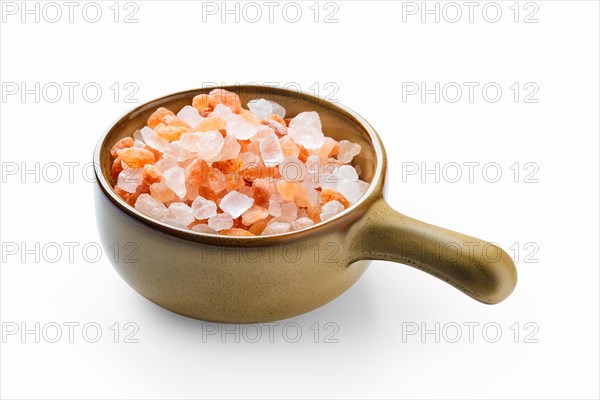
(244, 172)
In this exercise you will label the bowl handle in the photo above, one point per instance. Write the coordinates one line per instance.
(478, 268)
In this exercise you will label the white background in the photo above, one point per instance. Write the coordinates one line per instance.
(365, 57)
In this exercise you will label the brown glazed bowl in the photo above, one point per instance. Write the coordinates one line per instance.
(266, 278)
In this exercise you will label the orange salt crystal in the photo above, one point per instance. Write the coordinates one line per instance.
(236, 232)
(303, 156)
(215, 180)
(158, 115)
(263, 189)
(210, 124)
(259, 171)
(173, 120)
(288, 147)
(196, 172)
(258, 227)
(135, 157)
(207, 193)
(151, 174)
(157, 154)
(121, 144)
(313, 212)
(329, 147)
(227, 166)
(329, 194)
(161, 192)
(201, 102)
(117, 167)
(222, 96)
(234, 181)
(122, 193)
(278, 119)
(170, 132)
(254, 214)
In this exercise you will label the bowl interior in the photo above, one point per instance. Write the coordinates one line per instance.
(338, 122)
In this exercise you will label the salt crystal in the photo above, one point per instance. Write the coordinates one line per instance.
(130, 179)
(235, 203)
(292, 169)
(275, 208)
(220, 221)
(263, 109)
(162, 192)
(270, 150)
(206, 144)
(178, 214)
(152, 139)
(190, 116)
(203, 228)
(275, 228)
(301, 223)
(231, 148)
(330, 209)
(347, 151)
(137, 135)
(165, 163)
(306, 130)
(177, 151)
(350, 190)
(149, 206)
(221, 110)
(329, 180)
(203, 208)
(254, 214)
(347, 173)
(175, 179)
(289, 211)
(240, 128)
(362, 187)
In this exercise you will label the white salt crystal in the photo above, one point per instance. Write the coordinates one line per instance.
(330, 209)
(329, 180)
(311, 193)
(292, 169)
(350, 190)
(275, 208)
(235, 203)
(302, 222)
(289, 211)
(177, 151)
(241, 130)
(347, 173)
(153, 140)
(206, 144)
(129, 179)
(263, 109)
(178, 214)
(149, 206)
(347, 151)
(203, 228)
(270, 149)
(203, 208)
(306, 130)
(220, 221)
(362, 187)
(165, 163)
(190, 116)
(275, 228)
(175, 179)
(222, 111)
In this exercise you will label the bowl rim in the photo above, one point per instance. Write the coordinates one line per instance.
(374, 191)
